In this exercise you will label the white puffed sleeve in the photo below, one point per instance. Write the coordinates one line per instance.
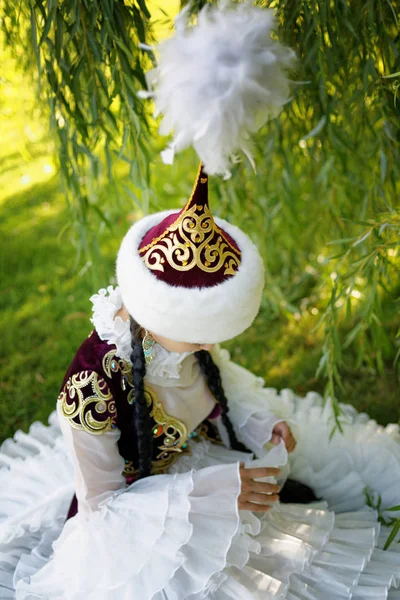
(253, 409)
(98, 465)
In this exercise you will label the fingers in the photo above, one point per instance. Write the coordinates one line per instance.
(259, 498)
(275, 439)
(257, 473)
(260, 487)
(283, 431)
(290, 443)
(257, 495)
(254, 507)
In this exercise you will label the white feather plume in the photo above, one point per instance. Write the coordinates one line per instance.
(219, 81)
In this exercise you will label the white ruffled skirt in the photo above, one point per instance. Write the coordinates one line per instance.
(181, 537)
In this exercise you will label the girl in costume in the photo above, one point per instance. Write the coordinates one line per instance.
(159, 476)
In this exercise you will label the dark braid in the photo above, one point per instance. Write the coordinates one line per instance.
(213, 377)
(141, 416)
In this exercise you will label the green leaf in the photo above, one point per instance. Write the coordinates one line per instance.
(362, 238)
(397, 74)
(133, 196)
(392, 535)
(59, 34)
(317, 129)
(49, 21)
(124, 48)
(144, 9)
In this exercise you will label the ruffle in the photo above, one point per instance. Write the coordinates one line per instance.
(365, 456)
(338, 467)
(172, 533)
(205, 551)
(148, 524)
(165, 364)
(117, 331)
(193, 542)
(298, 551)
(114, 330)
(36, 480)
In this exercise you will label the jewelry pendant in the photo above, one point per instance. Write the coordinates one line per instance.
(147, 345)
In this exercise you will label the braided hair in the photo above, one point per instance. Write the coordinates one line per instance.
(141, 416)
(213, 378)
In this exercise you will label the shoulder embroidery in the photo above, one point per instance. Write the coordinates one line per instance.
(86, 401)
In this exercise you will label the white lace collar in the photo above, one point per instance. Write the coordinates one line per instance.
(116, 331)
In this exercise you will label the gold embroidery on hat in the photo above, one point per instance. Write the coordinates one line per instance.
(193, 241)
(168, 233)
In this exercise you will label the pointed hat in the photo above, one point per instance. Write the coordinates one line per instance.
(189, 276)
(185, 274)
(188, 248)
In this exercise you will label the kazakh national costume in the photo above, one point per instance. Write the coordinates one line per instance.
(79, 521)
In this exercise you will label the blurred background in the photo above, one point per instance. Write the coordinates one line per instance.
(79, 162)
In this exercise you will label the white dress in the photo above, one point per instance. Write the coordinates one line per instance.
(180, 535)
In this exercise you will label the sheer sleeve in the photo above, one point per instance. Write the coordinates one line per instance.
(87, 417)
(253, 409)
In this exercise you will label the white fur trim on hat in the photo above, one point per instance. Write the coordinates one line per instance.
(195, 315)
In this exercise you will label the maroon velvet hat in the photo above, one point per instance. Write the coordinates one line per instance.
(188, 276)
(187, 248)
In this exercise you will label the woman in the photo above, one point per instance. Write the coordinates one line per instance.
(143, 485)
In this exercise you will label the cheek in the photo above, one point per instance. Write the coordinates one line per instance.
(185, 347)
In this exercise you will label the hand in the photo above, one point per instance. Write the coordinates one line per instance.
(256, 495)
(282, 431)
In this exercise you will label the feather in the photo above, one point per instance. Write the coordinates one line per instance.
(219, 81)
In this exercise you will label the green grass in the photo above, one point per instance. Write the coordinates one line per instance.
(44, 298)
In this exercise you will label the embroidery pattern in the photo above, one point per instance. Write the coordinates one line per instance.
(158, 467)
(111, 364)
(194, 241)
(86, 401)
(172, 432)
(175, 431)
(173, 444)
(208, 432)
